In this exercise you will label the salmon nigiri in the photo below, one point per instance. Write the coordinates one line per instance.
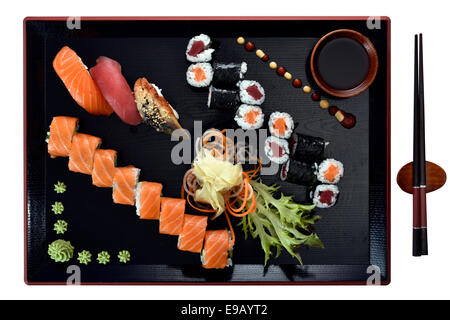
(215, 250)
(148, 200)
(81, 157)
(79, 82)
(62, 130)
(172, 216)
(193, 233)
(104, 168)
(124, 183)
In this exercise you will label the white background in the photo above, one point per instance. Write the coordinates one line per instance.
(424, 277)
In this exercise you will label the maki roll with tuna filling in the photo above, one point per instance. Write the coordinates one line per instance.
(223, 99)
(330, 171)
(249, 117)
(276, 149)
(251, 92)
(227, 75)
(281, 125)
(325, 195)
(306, 148)
(199, 74)
(198, 49)
(298, 172)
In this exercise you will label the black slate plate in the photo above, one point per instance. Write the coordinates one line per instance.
(355, 232)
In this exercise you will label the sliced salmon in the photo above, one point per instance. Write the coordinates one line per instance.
(81, 158)
(62, 130)
(104, 167)
(172, 216)
(215, 250)
(193, 233)
(148, 200)
(124, 184)
(79, 82)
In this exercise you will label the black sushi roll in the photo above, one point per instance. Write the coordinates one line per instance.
(306, 148)
(298, 172)
(227, 75)
(223, 99)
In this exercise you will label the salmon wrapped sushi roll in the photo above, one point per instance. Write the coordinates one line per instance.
(62, 130)
(81, 157)
(216, 249)
(172, 216)
(124, 184)
(148, 200)
(193, 233)
(104, 168)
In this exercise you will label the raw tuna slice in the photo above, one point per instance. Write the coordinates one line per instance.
(107, 74)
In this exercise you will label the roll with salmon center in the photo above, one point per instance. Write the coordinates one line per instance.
(199, 75)
(330, 171)
(325, 195)
(276, 149)
(249, 117)
(148, 200)
(81, 158)
(281, 125)
(59, 138)
(104, 168)
(251, 92)
(124, 184)
(172, 216)
(193, 233)
(198, 49)
(216, 251)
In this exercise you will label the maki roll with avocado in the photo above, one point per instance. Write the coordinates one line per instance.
(306, 148)
(297, 172)
(227, 75)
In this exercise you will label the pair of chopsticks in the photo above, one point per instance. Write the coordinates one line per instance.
(420, 242)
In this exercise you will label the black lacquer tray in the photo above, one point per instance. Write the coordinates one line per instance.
(356, 232)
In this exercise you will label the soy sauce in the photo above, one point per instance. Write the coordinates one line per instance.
(343, 63)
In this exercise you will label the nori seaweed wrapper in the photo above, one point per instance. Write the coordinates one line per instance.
(298, 172)
(227, 75)
(223, 99)
(306, 148)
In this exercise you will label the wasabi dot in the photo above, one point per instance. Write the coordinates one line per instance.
(60, 187)
(84, 257)
(57, 207)
(60, 226)
(60, 250)
(124, 256)
(103, 257)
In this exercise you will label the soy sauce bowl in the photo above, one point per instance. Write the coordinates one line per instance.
(363, 59)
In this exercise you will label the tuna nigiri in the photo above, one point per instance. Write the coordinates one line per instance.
(61, 132)
(172, 216)
(124, 183)
(193, 233)
(215, 250)
(79, 82)
(107, 74)
(81, 158)
(148, 200)
(104, 168)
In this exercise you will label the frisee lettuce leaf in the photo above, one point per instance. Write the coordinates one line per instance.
(280, 223)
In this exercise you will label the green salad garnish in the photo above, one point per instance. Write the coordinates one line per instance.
(280, 223)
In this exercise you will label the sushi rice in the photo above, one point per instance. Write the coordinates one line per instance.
(206, 54)
(283, 120)
(199, 74)
(330, 171)
(249, 117)
(251, 92)
(332, 193)
(282, 145)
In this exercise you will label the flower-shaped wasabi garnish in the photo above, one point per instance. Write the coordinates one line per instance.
(57, 207)
(124, 256)
(60, 226)
(60, 250)
(84, 257)
(60, 187)
(103, 257)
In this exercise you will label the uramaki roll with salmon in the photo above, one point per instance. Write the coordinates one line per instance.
(148, 200)
(62, 130)
(124, 185)
(172, 216)
(104, 168)
(215, 253)
(81, 157)
(193, 233)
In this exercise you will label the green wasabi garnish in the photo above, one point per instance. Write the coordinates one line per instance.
(60, 187)
(124, 256)
(60, 250)
(47, 138)
(57, 207)
(103, 257)
(60, 226)
(84, 257)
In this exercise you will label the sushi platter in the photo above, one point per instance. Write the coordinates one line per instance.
(225, 150)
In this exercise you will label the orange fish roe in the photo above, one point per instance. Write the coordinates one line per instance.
(199, 74)
(250, 116)
(332, 172)
(280, 126)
